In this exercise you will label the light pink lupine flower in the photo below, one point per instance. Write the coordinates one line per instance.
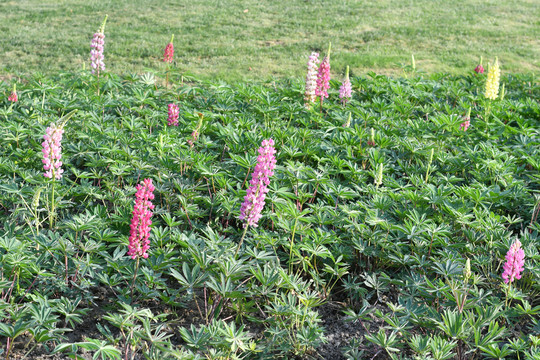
(345, 90)
(253, 203)
(311, 79)
(13, 96)
(169, 51)
(323, 77)
(195, 134)
(465, 124)
(97, 46)
(52, 152)
(139, 242)
(515, 261)
(173, 115)
(194, 137)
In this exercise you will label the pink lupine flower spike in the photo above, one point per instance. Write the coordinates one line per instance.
(139, 242)
(173, 115)
(345, 90)
(97, 45)
(13, 97)
(467, 121)
(323, 78)
(311, 80)
(169, 51)
(52, 152)
(250, 211)
(515, 262)
(479, 69)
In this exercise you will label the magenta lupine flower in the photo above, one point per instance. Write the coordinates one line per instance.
(173, 115)
(13, 97)
(323, 77)
(345, 90)
(97, 46)
(52, 152)
(253, 203)
(169, 51)
(515, 261)
(479, 69)
(311, 79)
(139, 242)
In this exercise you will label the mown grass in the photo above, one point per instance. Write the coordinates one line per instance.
(219, 39)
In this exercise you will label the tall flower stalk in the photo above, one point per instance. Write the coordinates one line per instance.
(311, 80)
(492, 87)
(139, 238)
(139, 242)
(168, 57)
(492, 82)
(515, 262)
(250, 211)
(96, 53)
(323, 78)
(51, 148)
(52, 164)
(345, 90)
(514, 265)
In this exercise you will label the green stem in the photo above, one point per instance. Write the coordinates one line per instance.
(292, 242)
(134, 278)
(51, 215)
(486, 117)
(241, 241)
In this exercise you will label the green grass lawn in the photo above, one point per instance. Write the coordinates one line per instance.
(251, 39)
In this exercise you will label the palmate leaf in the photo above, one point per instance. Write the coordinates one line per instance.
(101, 348)
(496, 352)
(388, 343)
(448, 269)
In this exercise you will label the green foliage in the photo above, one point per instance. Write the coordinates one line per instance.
(378, 228)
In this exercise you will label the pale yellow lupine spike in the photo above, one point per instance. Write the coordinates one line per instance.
(492, 82)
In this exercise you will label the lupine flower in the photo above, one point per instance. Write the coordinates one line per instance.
(323, 77)
(13, 97)
(492, 82)
(169, 51)
(465, 124)
(348, 123)
(52, 152)
(479, 69)
(195, 133)
(372, 142)
(515, 261)
(97, 45)
(173, 115)
(253, 203)
(139, 242)
(311, 80)
(345, 90)
(467, 273)
(194, 137)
